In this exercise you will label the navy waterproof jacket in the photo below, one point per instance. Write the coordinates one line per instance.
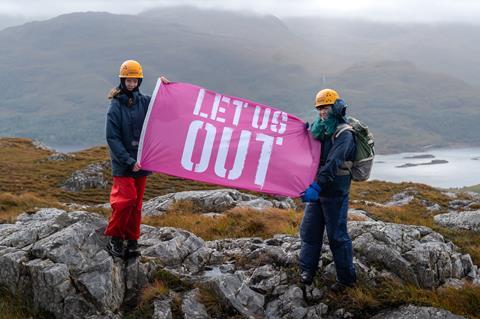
(333, 156)
(123, 129)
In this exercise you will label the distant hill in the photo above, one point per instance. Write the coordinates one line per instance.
(408, 107)
(449, 48)
(55, 74)
(10, 20)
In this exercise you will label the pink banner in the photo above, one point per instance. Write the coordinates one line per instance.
(201, 135)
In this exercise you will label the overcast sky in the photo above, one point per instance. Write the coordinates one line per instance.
(379, 10)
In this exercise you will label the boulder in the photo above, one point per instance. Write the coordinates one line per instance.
(217, 201)
(233, 290)
(358, 215)
(174, 248)
(469, 220)
(56, 157)
(91, 176)
(403, 198)
(412, 312)
(292, 305)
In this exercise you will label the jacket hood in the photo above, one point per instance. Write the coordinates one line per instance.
(339, 109)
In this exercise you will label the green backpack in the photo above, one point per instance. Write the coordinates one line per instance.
(361, 167)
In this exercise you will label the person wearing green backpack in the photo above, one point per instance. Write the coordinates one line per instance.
(327, 197)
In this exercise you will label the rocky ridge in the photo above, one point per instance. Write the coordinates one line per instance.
(56, 259)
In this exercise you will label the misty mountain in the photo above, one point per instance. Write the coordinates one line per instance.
(10, 20)
(408, 107)
(55, 74)
(449, 48)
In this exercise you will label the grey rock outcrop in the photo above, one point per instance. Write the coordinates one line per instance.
(358, 215)
(58, 261)
(403, 198)
(218, 200)
(469, 220)
(57, 255)
(39, 145)
(176, 249)
(162, 309)
(414, 312)
(413, 254)
(292, 305)
(60, 157)
(468, 202)
(192, 308)
(233, 290)
(90, 177)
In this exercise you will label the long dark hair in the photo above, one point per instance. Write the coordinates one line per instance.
(114, 92)
(122, 87)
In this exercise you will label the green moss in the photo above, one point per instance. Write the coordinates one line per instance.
(172, 281)
(367, 299)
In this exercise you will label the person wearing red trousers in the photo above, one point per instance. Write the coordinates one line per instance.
(124, 123)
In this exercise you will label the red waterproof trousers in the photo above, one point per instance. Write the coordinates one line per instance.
(126, 201)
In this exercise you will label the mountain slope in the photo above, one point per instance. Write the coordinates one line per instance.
(448, 48)
(409, 108)
(55, 74)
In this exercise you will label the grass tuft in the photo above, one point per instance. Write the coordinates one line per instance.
(236, 223)
(155, 290)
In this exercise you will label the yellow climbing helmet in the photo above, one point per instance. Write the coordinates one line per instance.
(131, 69)
(326, 97)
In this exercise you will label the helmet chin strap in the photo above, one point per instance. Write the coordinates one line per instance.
(124, 86)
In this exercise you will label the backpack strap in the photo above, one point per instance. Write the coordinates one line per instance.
(340, 129)
(346, 168)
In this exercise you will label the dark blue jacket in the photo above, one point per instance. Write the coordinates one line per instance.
(333, 155)
(123, 130)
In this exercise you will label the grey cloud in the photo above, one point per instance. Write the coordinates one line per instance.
(385, 10)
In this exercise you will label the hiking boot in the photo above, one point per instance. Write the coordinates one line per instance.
(132, 249)
(340, 287)
(115, 247)
(306, 277)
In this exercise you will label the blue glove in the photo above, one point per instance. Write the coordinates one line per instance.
(307, 125)
(311, 194)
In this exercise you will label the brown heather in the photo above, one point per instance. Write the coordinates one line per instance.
(32, 182)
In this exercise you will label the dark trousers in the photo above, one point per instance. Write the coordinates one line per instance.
(330, 213)
(126, 201)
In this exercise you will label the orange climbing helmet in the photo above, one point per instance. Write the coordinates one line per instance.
(326, 97)
(131, 69)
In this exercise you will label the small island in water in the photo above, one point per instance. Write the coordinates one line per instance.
(420, 156)
(432, 162)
